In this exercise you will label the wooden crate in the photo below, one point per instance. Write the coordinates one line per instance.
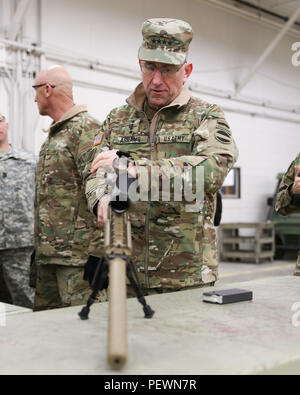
(258, 245)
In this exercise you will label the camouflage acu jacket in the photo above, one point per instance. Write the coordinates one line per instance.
(65, 231)
(284, 204)
(284, 199)
(169, 241)
(17, 185)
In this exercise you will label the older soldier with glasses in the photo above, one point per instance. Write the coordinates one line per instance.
(165, 129)
(65, 231)
(17, 185)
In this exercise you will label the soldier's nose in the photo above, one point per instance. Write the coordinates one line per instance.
(157, 78)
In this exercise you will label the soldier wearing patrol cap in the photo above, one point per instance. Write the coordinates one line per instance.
(165, 129)
(286, 203)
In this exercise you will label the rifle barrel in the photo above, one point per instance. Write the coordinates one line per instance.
(117, 321)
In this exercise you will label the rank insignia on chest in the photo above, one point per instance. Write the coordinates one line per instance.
(98, 139)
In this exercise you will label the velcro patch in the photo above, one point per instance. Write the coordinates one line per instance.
(98, 139)
(223, 136)
(183, 138)
(131, 140)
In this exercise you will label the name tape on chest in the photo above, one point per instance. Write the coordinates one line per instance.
(132, 139)
(129, 139)
(184, 138)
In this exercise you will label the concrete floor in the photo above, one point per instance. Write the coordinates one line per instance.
(230, 272)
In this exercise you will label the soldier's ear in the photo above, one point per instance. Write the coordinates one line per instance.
(188, 68)
(49, 89)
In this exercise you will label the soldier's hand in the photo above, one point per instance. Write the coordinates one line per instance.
(102, 210)
(132, 170)
(105, 159)
(296, 186)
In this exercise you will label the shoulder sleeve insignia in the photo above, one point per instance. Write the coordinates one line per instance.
(223, 136)
(98, 139)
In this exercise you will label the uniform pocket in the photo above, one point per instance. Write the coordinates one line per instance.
(57, 218)
(173, 237)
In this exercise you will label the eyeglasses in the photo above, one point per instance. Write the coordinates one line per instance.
(149, 69)
(40, 85)
(2, 118)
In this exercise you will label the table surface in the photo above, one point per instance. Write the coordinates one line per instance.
(10, 309)
(186, 335)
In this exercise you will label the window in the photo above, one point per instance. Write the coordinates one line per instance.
(232, 185)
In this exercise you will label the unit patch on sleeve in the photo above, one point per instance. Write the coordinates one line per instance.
(223, 136)
(98, 139)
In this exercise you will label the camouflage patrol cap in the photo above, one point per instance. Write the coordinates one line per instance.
(165, 41)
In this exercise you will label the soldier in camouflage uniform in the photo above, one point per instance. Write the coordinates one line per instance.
(17, 184)
(65, 231)
(165, 128)
(290, 185)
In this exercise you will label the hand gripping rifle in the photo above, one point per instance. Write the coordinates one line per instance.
(115, 267)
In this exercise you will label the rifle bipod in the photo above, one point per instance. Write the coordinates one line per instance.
(135, 283)
(101, 282)
(98, 282)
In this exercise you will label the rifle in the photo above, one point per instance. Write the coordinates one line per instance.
(114, 268)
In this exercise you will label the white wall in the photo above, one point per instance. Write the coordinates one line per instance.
(3, 97)
(224, 48)
(266, 148)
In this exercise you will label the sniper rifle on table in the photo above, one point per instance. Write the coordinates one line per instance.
(115, 267)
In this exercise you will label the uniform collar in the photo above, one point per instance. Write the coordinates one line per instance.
(138, 98)
(75, 110)
(11, 153)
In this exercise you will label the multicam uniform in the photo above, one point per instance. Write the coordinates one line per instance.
(168, 241)
(17, 184)
(65, 231)
(284, 204)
